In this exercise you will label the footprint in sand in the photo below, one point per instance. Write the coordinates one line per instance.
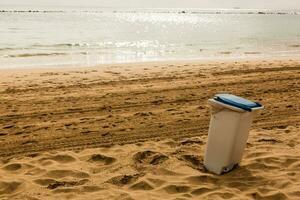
(155, 181)
(294, 165)
(201, 191)
(101, 159)
(175, 189)
(57, 184)
(149, 157)
(53, 184)
(10, 187)
(277, 195)
(202, 179)
(68, 186)
(194, 161)
(142, 185)
(124, 179)
(222, 195)
(61, 158)
(12, 167)
(66, 173)
(19, 168)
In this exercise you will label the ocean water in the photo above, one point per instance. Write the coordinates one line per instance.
(67, 36)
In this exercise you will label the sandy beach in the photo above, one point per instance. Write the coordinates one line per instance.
(138, 131)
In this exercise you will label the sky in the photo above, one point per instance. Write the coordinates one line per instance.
(260, 4)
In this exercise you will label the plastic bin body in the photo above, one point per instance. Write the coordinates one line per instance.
(227, 137)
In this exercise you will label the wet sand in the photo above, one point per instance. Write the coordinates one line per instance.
(138, 131)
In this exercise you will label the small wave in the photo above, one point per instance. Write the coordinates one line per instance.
(53, 45)
(252, 52)
(35, 54)
(62, 45)
(225, 52)
(6, 49)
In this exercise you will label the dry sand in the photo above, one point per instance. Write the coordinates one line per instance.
(138, 131)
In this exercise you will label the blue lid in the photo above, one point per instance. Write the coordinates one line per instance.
(236, 101)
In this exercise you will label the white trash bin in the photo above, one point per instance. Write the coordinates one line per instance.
(231, 118)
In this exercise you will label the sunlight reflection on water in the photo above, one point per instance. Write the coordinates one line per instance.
(105, 37)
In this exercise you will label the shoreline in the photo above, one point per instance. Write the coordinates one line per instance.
(148, 63)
